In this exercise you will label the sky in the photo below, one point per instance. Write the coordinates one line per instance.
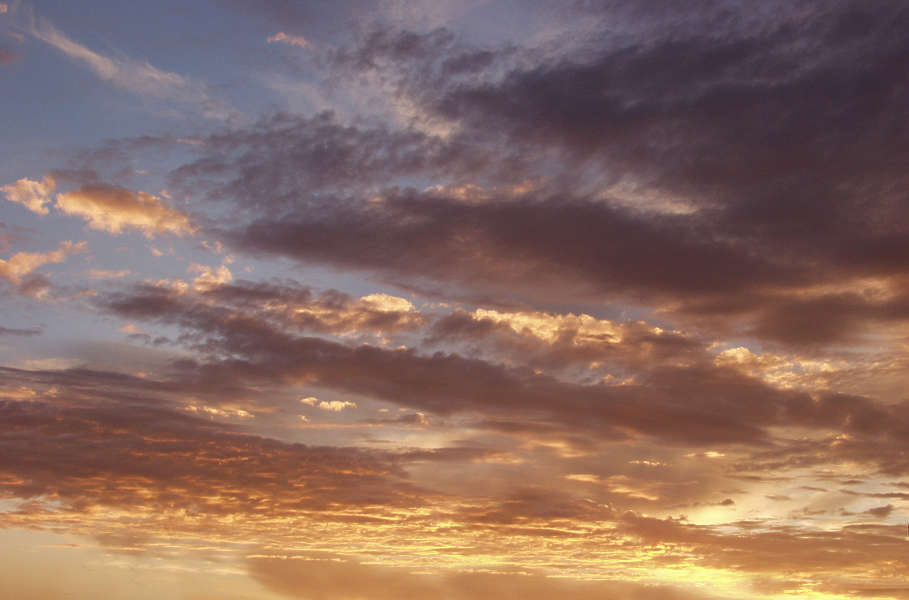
(387, 300)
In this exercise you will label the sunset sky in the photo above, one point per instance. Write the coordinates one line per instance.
(454, 299)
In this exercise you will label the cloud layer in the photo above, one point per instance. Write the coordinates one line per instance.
(473, 300)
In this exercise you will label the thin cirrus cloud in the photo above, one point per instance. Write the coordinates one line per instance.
(134, 76)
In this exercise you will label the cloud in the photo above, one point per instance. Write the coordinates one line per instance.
(320, 153)
(821, 553)
(637, 306)
(109, 443)
(336, 405)
(18, 266)
(135, 76)
(329, 405)
(412, 380)
(113, 209)
(150, 445)
(33, 195)
(284, 38)
(210, 278)
(610, 127)
(293, 306)
(880, 511)
(105, 207)
(20, 332)
(694, 402)
(584, 246)
(348, 580)
(108, 273)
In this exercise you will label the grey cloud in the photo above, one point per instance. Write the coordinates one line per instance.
(32, 331)
(786, 137)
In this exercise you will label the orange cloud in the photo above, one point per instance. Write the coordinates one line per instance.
(34, 195)
(210, 278)
(22, 264)
(284, 38)
(347, 580)
(113, 209)
(107, 273)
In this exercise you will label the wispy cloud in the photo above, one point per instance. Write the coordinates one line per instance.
(135, 76)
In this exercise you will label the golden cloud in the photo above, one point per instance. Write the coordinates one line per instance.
(33, 195)
(22, 264)
(113, 209)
